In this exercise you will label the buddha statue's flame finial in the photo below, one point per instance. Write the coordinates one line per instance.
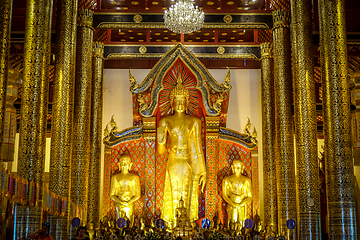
(179, 90)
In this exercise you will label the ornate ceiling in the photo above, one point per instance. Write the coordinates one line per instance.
(210, 35)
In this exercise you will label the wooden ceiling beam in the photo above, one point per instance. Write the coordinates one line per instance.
(135, 63)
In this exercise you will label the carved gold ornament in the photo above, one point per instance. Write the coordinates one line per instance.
(221, 50)
(138, 18)
(142, 49)
(227, 18)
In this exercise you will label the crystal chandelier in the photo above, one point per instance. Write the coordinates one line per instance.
(183, 17)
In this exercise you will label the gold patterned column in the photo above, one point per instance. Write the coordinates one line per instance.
(285, 163)
(307, 166)
(63, 108)
(96, 133)
(9, 131)
(82, 110)
(268, 125)
(34, 105)
(337, 129)
(5, 29)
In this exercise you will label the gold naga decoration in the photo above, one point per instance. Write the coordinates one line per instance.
(133, 84)
(247, 131)
(113, 128)
(226, 82)
(218, 102)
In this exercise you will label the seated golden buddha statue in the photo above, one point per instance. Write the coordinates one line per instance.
(181, 214)
(186, 165)
(237, 191)
(125, 189)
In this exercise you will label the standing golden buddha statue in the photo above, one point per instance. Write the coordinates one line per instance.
(186, 165)
(125, 189)
(237, 191)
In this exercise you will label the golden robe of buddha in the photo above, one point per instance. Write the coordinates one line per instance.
(125, 189)
(237, 191)
(186, 165)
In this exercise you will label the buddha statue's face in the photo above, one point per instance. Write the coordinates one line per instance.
(124, 164)
(237, 167)
(179, 104)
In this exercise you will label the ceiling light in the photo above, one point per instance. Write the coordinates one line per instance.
(183, 17)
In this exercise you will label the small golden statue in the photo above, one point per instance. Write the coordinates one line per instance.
(186, 165)
(90, 229)
(112, 226)
(215, 222)
(181, 214)
(125, 189)
(237, 191)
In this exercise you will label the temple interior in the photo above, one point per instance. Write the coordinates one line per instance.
(126, 120)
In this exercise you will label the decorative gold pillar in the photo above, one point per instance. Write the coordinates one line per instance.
(268, 125)
(9, 131)
(82, 111)
(34, 105)
(285, 163)
(337, 129)
(95, 135)
(5, 29)
(63, 108)
(307, 165)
